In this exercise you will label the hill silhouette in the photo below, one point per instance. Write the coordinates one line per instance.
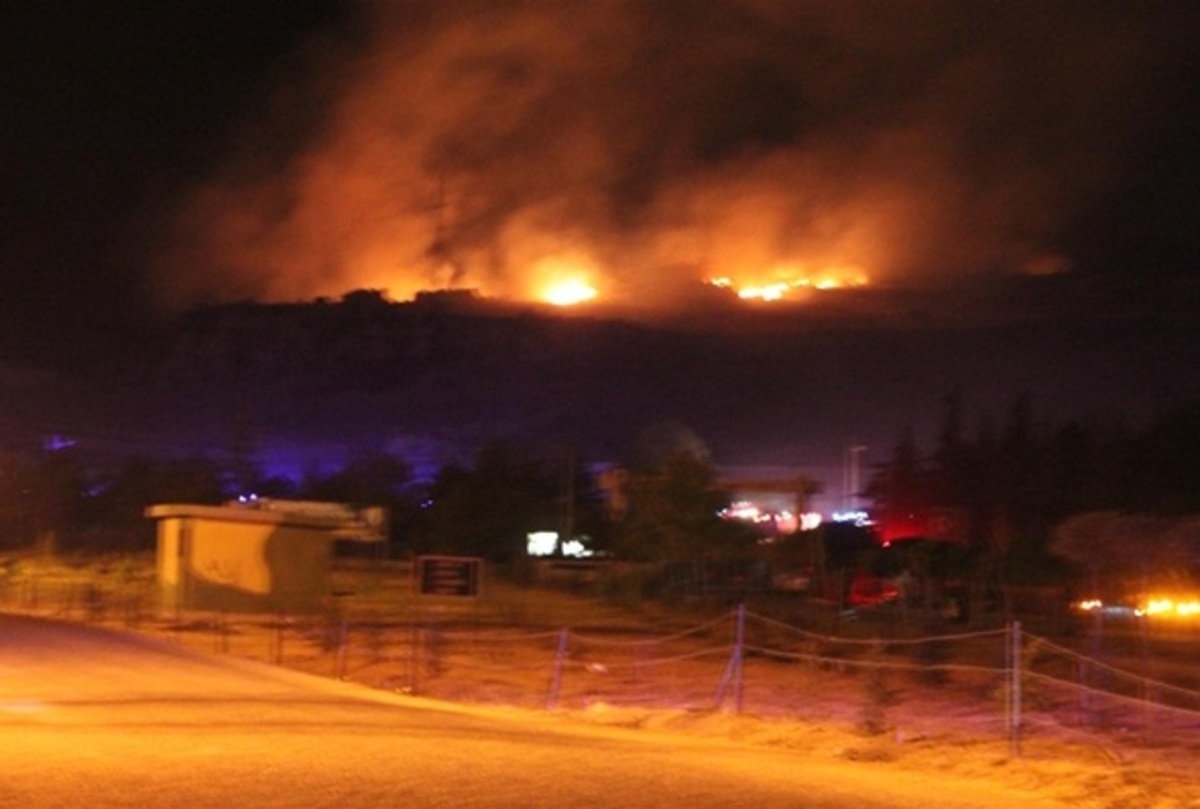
(441, 375)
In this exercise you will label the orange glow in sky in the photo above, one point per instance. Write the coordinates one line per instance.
(562, 279)
(787, 281)
(568, 292)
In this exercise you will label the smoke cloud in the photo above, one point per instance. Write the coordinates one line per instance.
(656, 143)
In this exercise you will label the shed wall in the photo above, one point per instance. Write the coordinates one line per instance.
(220, 565)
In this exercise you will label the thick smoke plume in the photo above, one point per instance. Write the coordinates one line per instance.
(656, 143)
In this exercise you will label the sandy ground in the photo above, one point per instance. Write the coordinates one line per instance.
(952, 732)
(683, 685)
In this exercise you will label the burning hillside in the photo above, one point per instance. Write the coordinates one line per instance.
(623, 152)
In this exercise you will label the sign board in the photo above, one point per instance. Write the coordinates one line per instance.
(449, 575)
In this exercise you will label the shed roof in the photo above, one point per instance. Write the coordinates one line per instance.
(345, 526)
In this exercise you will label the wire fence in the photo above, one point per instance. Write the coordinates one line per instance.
(998, 682)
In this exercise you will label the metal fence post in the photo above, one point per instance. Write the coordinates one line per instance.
(340, 660)
(414, 664)
(733, 669)
(277, 640)
(556, 679)
(1014, 719)
(738, 644)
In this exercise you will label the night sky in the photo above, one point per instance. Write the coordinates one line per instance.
(111, 110)
(158, 155)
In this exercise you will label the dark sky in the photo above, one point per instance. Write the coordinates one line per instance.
(112, 109)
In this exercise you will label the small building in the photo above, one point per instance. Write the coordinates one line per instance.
(257, 557)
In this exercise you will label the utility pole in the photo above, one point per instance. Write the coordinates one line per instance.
(566, 528)
(850, 476)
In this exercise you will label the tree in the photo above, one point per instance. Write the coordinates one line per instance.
(241, 475)
(1165, 456)
(952, 458)
(903, 487)
(371, 479)
(1122, 552)
(17, 508)
(120, 500)
(674, 505)
(489, 509)
(368, 480)
(58, 495)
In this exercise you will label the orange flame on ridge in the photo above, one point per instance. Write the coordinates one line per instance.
(789, 280)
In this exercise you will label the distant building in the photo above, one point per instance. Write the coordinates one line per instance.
(255, 557)
(774, 500)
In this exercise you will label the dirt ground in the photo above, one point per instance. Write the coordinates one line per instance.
(815, 712)
(639, 672)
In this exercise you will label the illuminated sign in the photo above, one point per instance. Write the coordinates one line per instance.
(545, 543)
(457, 576)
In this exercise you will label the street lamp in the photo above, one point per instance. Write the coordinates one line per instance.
(850, 484)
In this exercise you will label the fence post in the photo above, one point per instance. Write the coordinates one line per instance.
(733, 669)
(414, 665)
(739, 643)
(1014, 719)
(556, 679)
(340, 660)
(221, 631)
(277, 640)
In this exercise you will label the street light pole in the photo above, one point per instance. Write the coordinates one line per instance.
(850, 479)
